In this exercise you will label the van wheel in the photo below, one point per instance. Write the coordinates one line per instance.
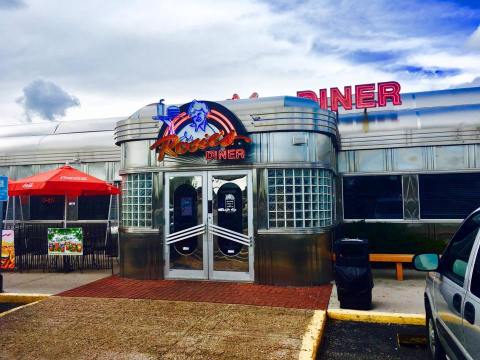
(436, 350)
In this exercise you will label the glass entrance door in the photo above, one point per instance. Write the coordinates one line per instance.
(185, 225)
(230, 225)
(208, 225)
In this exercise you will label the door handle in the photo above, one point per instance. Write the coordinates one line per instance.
(457, 302)
(469, 313)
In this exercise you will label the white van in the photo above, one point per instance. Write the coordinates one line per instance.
(452, 294)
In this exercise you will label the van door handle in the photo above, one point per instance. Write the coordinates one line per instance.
(469, 313)
(457, 302)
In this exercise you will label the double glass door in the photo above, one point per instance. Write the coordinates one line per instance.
(208, 225)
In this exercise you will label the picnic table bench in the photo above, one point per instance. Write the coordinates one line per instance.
(398, 259)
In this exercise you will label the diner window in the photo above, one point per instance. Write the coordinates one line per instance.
(372, 197)
(448, 196)
(299, 198)
(93, 207)
(51, 207)
(137, 200)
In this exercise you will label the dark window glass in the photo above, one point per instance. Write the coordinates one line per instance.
(475, 282)
(372, 197)
(448, 196)
(47, 207)
(93, 207)
(455, 259)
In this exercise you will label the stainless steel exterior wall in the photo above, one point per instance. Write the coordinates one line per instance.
(141, 254)
(432, 132)
(88, 145)
(286, 133)
(283, 258)
(288, 256)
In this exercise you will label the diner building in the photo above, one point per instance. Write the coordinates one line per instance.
(258, 189)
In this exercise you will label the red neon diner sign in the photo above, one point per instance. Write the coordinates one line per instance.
(200, 127)
(172, 146)
(364, 96)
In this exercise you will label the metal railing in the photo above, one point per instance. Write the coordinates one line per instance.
(100, 247)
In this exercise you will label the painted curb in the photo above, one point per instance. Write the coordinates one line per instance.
(313, 336)
(21, 298)
(376, 317)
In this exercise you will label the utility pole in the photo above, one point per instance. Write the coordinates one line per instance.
(3, 199)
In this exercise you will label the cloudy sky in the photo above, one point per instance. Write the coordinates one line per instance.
(92, 59)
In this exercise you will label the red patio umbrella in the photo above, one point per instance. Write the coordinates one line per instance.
(65, 181)
(62, 181)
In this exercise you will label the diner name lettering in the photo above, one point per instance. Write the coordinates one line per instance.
(363, 98)
(172, 146)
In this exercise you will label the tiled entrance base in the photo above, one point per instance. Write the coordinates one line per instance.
(315, 297)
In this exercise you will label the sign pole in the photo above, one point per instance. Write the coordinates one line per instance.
(3, 198)
(1, 238)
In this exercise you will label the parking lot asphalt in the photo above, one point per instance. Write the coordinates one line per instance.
(8, 306)
(356, 340)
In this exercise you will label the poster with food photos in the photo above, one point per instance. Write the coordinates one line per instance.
(68, 241)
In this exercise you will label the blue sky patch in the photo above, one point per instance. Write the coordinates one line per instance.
(433, 72)
(365, 56)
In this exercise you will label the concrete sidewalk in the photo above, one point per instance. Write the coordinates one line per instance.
(392, 301)
(48, 283)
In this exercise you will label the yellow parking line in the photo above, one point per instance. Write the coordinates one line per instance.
(313, 336)
(376, 317)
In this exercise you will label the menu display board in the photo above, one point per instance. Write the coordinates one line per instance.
(67, 241)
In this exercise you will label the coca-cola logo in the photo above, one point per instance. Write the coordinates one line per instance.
(27, 185)
(73, 178)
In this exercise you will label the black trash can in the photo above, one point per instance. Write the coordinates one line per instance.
(353, 274)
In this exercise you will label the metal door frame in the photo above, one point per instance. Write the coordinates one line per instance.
(181, 273)
(207, 195)
(232, 275)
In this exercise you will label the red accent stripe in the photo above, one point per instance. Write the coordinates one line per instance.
(220, 121)
(179, 118)
(224, 118)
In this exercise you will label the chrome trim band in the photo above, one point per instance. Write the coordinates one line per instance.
(185, 234)
(229, 234)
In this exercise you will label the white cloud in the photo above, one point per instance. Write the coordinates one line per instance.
(117, 56)
(474, 39)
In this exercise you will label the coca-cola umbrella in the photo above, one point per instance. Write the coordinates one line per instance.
(65, 181)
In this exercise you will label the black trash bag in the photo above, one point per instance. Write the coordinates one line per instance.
(353, 278)
(353, 274)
